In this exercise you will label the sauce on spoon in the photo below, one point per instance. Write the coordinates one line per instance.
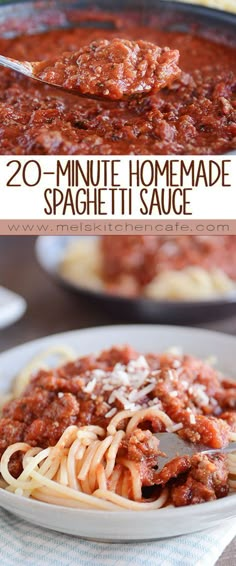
(112, 69)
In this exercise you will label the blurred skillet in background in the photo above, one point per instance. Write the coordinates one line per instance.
(50, 251)
(55, 14)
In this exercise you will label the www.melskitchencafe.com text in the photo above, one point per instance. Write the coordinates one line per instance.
(117, 187)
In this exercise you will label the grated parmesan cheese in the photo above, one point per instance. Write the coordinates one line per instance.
(192, 418)
(136, 395)
(199, 395)
(99, 373)
(173, 394)
(90, 385)
(128, 384)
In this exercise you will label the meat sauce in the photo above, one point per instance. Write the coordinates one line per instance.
(89, 390)
(112, 69)
(143, 257)
(196, 114)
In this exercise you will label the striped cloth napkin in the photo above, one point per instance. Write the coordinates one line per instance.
(24, 544)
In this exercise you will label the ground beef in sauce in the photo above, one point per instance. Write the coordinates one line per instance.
(173, 470)
(113, 69)
(82, 392)
(142, 445)
(206, 481)
(194, 115)
(131, 262)
(205, 429)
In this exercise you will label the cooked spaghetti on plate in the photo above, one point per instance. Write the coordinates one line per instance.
(83, 435)
(155, 267)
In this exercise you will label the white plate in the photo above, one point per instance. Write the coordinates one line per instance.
(124, 525)
(12, 307)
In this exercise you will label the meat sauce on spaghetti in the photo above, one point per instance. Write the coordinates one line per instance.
(131, 262)
(196, 114)
(157, 392)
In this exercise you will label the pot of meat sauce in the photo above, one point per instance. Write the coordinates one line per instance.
(196, 114)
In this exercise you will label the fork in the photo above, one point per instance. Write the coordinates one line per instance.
(173, 445)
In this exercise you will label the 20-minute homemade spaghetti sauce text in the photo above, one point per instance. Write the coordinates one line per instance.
(196, 114)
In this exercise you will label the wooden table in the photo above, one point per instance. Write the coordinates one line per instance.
(52, 309)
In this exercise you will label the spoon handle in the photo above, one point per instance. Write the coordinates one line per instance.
(23, 67)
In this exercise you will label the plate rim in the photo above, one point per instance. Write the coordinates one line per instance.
(100, 328)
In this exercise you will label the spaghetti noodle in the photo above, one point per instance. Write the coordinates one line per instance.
(83, 435)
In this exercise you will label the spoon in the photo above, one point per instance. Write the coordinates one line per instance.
(115, 69)
(26, 68)
(173, 446)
